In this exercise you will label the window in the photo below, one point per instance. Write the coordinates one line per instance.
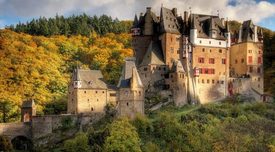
(222, 82)
(249, 51)
(220, 43)
(242, 60)
(127, 104)
(250, 69)
(259, 79)
(159, 68)
(208, 81)
(250, 59)
(84, 91)
(213, 81)
(209, 42)
(210, 50)
(220, 50)
(178, 38)
(218, 81)
(202, 80)
(203, 49)
(95, 91)
(259, 70)
(112, 94)
(259, 60)
(178, 51)
(236, 61)
(171, 39)
(223, 61)
(139, 93)
(211, 61)
(92, 109)
(212, 71)
(200, 41)
(102, 91)
(201, 60)
(172, 50)
(145, 69)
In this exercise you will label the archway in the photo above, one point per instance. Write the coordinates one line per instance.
(21, 143)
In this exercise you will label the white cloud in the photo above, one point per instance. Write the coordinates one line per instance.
(125, 9)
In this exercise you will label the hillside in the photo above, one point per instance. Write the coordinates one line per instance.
(39, 67)
(219, 127)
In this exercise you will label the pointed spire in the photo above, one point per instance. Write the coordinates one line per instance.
(135, 80)
(227, 26)
(135, 23)
(193, 24)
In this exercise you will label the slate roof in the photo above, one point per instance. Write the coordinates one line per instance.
(90, 79)
(154, 54)
(247, 31)
(207, 23)
(139, 23)
(168, 21)
(28, 104)
(177, 67)
(129, 70)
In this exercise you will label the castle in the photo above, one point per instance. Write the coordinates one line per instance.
(188, 59)
(191, 59)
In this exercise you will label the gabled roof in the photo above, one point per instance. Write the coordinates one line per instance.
(89, 78)
(154, 55)
(177, 67)
(248, 31)
(168, 21)
(129, 75)
(205, 24)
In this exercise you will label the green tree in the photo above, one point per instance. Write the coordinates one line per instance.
(78, 144)
(123, 137)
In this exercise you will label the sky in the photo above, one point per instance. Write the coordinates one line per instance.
(262, 12)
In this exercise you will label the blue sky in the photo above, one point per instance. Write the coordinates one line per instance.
(262, 12)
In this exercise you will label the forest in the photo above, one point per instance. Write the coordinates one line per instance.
(40, 67)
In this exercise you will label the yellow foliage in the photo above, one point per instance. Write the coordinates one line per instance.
(40, 68)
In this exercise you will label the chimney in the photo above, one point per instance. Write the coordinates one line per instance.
(175, 12)
(148, 9)
(186, 16)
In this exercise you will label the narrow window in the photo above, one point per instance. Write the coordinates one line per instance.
(259, 60)
(250, 59)
(211, 61)
(250, 69)
(220, 50)
(242, 60)
(223, 61)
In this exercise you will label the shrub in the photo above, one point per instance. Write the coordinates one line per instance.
(79, 143)
(5, 144)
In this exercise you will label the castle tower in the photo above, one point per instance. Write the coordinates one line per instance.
(209, 72)
(131, 91)
(247, 59)
(28, 110)
(178, 83)
(88, 92)
(143, 31)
